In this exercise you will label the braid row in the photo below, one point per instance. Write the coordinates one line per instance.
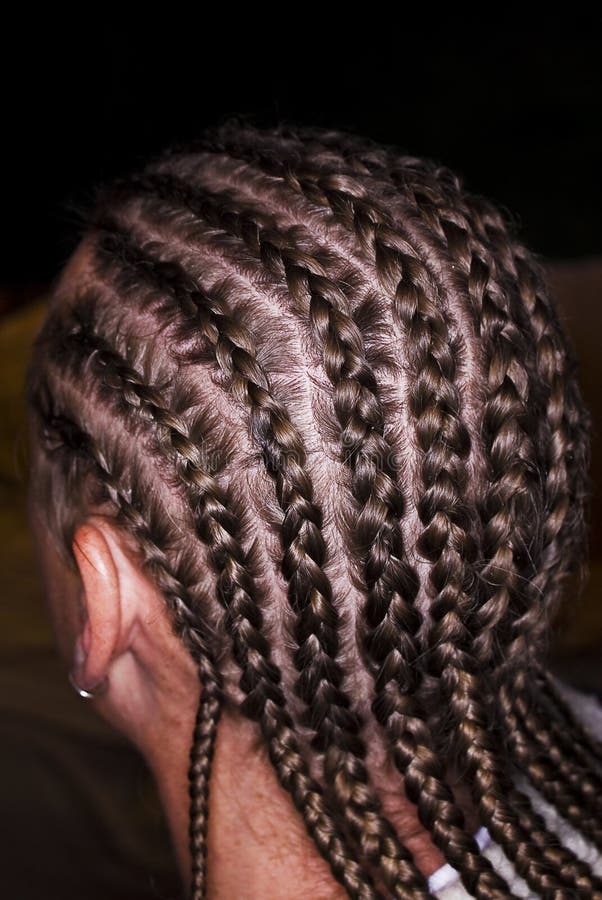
(340, 225)
(526, 628)
(392, 619)
(565, 490)
(448, 543)
(504, 466)
(335, 725)
(566, 440)
(564, 792)
(363, 220)
(589, 747)
(187, 622)
(437, 197)
(218, 529)
(580, 777)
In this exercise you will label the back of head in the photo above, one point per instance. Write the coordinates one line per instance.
(326, 391)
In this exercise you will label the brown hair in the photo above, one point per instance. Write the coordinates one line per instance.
(354, 403)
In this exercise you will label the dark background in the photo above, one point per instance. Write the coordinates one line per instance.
(516, 109)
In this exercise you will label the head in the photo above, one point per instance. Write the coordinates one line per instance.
(309, 452)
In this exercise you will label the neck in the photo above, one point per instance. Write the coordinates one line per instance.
(257, 843)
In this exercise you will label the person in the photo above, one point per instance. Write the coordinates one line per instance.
(309, 481)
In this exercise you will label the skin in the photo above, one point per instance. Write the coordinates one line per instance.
(110, 621)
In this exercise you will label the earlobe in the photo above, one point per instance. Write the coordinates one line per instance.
(99, 562)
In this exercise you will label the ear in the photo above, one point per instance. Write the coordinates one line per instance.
(107, 574)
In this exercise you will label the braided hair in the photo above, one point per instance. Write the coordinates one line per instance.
(357, 401)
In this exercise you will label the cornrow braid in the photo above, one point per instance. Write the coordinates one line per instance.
(218, 529)
(486, 628)
(367, 223)
(317, 232)
(566, 793)
(448, 543)
(335, 725)
(393, 620)
(570, 423)
(514, 697)
(579, 776)
(567, 482)
(568, 420)
(590, 748)
(436, 193)
(573, 870)
(527, 630)
(188, 625)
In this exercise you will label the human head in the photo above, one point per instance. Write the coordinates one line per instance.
(326, 396)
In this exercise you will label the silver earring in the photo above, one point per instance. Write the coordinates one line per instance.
(96, 691)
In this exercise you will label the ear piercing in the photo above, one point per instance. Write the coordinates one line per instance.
(96, 691)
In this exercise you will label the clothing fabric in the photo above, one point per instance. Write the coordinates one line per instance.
(445, 883)
(447, 875)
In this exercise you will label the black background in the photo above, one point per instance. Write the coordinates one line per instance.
(516, 110)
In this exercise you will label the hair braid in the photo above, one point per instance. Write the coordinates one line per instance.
(574, 793)
(435, 192)
(331, 227)
(366, 223)
(335, 724)
(188, 625)
(478, 278)
(218, 528)
(588, 745)
(438, 197)
(574, 869)
(579, 775)
(390, 582)
(393, 620)
(569, 442)
(561, 730)
(567, 482)
(448, 543)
